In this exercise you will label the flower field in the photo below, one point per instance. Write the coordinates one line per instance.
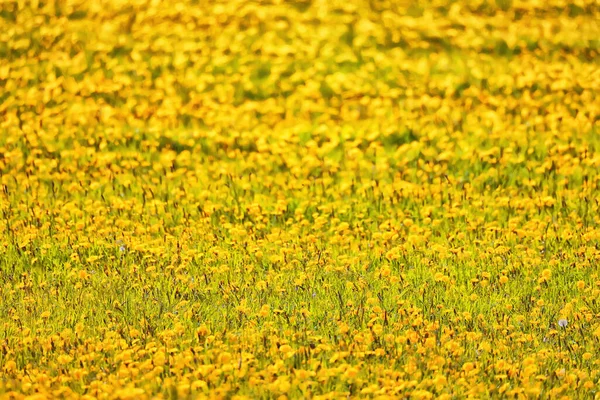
(299, 199)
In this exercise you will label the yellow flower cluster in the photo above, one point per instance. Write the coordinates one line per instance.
(299, 199)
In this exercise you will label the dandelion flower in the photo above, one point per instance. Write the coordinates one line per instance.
(562, 323)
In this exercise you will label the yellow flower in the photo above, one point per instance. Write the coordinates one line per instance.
(385, 271)
(130, 393)
(225, 358)
(202, 331)
(64, 359)
(377, 329)
(343, 328)
(468, 366)
(545, 276)
(351, 372)
(282, 384)
(199, 385)
(10, 366)
(265, 310)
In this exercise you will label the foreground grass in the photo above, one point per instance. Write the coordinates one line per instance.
(298, 199)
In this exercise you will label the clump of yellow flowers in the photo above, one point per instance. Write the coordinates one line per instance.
(299, 199)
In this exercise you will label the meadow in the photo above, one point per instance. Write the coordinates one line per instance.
(321, 199)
